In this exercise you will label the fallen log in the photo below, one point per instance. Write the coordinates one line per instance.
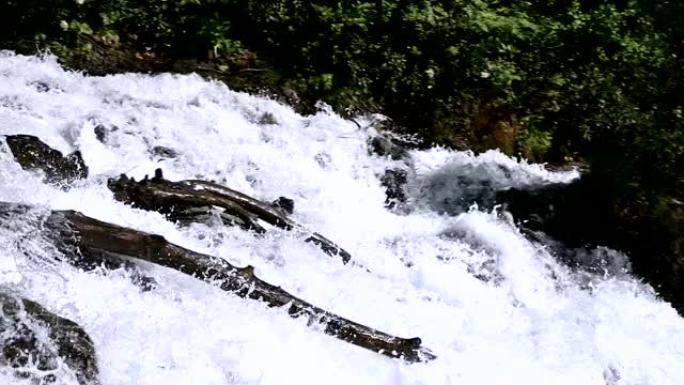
(83, 240)
(183, 201)
(194, 199)
(36, 358)
(91, 242)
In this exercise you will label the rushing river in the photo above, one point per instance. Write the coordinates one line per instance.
(495, 307)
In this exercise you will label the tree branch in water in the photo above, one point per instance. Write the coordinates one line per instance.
(85, 238)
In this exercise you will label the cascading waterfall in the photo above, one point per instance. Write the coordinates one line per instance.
(495, 307)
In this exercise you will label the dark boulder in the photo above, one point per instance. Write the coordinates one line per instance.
(387, 144)
(164, 152)
(32, 154)
(22, 323)
(394, 181)
(101, 133)
(284, 204)
(566, 212)
(584, 215)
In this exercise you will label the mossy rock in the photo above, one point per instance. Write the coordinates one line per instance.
(24, 348)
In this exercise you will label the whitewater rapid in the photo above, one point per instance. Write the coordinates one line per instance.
(494, 307)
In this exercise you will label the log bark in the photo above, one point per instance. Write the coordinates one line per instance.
(90, 242)
(183, 201)
(36, 359)
(86, 239)
(193, 199)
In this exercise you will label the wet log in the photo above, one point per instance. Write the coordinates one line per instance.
(33, 357)
(89, 242)
(183, 201)
(195, 199)
(86, 239)
(33, 154)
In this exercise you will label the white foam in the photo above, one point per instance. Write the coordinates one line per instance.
(524, 321)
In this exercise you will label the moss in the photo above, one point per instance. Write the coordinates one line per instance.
(533, 144)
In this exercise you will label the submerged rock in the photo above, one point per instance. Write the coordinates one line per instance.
(267, 118)
(43, 347)
(452, 193)
(394, 181)
(582, 216)
(387, 145)
(285, 204)
(164, 152)
(560, 210)
(101, 133)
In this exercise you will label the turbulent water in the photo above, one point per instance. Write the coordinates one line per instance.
(494, 307)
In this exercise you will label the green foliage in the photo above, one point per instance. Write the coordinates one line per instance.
(533, 143)
(582, 72)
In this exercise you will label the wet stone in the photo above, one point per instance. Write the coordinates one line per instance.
(394, 182)
(33, 154)
(285, 204)
(41, 347)
(267, 118)
(386, 146)
(41, 86)
(164, 152)
(101, 133)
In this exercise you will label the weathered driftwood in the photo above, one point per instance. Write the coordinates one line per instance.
(190, 200)
(91, 242)
(193, 199)
(34, 358)
(86, 239)
(33, 154)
